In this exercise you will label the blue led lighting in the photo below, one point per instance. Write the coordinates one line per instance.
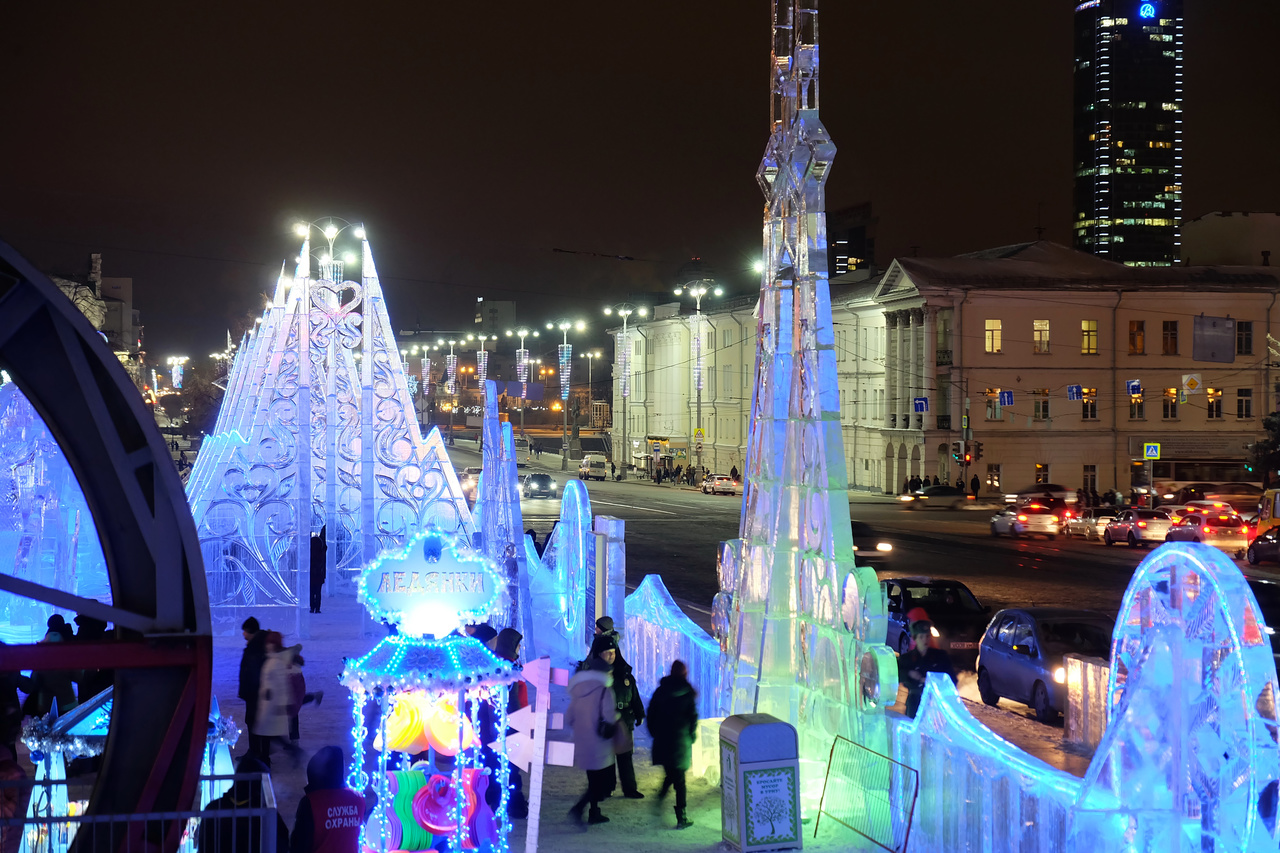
(1147, 10)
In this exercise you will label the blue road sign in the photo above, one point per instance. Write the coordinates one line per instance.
(1151, 450)
(1075, 392)
(1006, 398)
(1133, 387)
(921, 404)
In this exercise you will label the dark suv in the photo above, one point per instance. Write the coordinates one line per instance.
(539, 486)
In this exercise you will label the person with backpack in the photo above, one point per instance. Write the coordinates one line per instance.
(673, 723)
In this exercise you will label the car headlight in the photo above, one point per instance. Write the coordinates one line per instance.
(906, 498)
(934, 631)
(1060, 675)
(884, 546)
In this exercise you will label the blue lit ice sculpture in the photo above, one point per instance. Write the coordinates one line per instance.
(498, 511)
(560, 583)
(1189, 760)
(316, 430)
(805, 627)
(47, 534)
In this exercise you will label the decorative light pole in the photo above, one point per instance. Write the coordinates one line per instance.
(451, 385)
(566, 366)
(622, 370)
(331, 269)
(590, 387)
(698, 289)
(522, 373)
(482, 361)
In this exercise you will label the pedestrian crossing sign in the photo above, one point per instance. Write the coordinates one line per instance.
(1151, 450)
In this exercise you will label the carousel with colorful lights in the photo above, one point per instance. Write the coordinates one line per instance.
(431, 702)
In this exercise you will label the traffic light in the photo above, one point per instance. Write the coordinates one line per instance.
(977, 450)
(956, 452)
(968, 457)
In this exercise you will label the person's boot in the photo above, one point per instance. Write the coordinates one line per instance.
(594, 815)
(682, 819)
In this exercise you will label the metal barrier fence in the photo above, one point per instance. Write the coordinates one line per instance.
(870, 793)
(1086, 718)
(244, 822)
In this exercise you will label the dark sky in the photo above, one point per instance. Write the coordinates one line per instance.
(182, 140)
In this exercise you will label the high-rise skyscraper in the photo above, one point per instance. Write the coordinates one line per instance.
(1128, 129)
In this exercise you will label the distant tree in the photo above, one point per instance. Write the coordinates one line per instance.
(201, 398)
(1264, 454)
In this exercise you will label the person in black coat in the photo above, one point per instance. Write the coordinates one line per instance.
(630, 715)
(251, 661)
(319, 565)
(673, 723)
(237, 833)
(921, 660)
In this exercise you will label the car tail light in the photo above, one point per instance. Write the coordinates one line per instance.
(1142, 524)
(1022, 518)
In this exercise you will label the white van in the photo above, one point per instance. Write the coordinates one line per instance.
(593, 467)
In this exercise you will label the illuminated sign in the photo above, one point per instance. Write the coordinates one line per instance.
(1147, 10)
(434, 586)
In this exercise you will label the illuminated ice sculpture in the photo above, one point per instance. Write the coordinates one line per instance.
(47, 535)
(804, 627)
(317, 431)
(438, 694)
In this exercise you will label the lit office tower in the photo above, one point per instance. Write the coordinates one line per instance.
(1128, 130)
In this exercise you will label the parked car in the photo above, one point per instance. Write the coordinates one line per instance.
(1020, 655)
(1090, 522)
(1029, 520)
(1137, 527)
(1032, 494)
(719, 484)
(539, 486)
(947, 497)
(1264, 549)
(870, 548)
(1223, 530)
(957, 616)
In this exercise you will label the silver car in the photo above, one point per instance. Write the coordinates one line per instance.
(1029, 520)
(1090, 522)
(1223, 530)
(1020, 656)
(1138, 527)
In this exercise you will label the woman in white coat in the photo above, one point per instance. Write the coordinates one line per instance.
(593, 716)
(272, 722)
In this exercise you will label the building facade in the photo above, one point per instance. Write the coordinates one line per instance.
(1128, 130)
(1036, 346)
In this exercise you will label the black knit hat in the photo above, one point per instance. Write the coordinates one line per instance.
(603, 643)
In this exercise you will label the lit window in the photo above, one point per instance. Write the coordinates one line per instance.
(1089, 404)
(1042, 473)
(1137, 337)
(993, 336)
(1215, 403)
(1137, 408)
(1040, 404)
(994, 412)
(1040, 335)
(1088, 337)
(1170, 404)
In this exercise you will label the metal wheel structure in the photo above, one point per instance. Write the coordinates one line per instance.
(161, 649)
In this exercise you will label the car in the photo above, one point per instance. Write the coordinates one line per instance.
(870, 548)
(957, 616)
(1138, 527)
(1032, 494)
(539, 486)
(1264, 549)
(1243, 497)
(1020, 655)
(1189, 492)
(1088, 523)
(1267, 594)
(948, 497)
(1029, 520)
(719, 484)
(1223, 530)
(594, 466)
(469, 482)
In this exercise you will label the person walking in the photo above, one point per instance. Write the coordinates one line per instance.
(330, 816)
(44, 688)
(917, 663)
(974, 485)
(298, 695)
(251, 661)
(613, 470)
(673, 723)
(272, 723)
(593, 716)
(733, 472)
(319, 565)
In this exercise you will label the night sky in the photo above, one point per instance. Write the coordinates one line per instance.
(183, 140)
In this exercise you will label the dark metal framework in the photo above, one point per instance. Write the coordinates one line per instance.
(162, 649)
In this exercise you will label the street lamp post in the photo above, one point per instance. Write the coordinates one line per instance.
(566, 366)
(522, 373)
(622, 369)
(698, 289)
(451, 385)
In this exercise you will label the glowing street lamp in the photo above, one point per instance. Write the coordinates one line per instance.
(566, 366)
(522, 370)
(331, 268)
(622, 369)
(482, 360)
(698, 289)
